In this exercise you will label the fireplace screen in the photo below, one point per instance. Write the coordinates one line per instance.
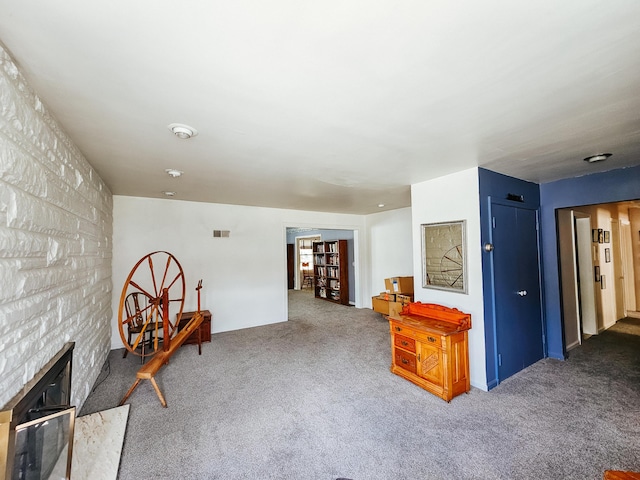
(36, 426)
(43, 447)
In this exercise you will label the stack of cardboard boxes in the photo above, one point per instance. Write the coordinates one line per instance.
(398, 293)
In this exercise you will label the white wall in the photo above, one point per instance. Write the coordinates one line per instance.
(55, 245)
(244, 276)
(450, 198)
(390, 247)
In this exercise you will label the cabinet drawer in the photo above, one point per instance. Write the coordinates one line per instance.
(405, 342)
(405, 360)
(402, 330)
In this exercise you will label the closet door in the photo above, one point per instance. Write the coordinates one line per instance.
(517, 289)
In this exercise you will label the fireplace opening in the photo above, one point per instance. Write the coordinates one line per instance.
(37, 424)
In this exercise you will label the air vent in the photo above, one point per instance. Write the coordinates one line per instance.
(221, 233)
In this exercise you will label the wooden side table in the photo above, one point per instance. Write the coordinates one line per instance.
(205, 327)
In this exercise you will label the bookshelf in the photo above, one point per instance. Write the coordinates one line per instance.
(330, 274)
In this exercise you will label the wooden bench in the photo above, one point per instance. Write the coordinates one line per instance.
(151, 368)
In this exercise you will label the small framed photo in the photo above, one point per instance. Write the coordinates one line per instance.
(596, 273)
(600, 235)
(603, 283)
(594, 235)
(607, 236)
(607, 255)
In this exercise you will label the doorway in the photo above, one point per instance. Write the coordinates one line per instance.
(304, 262)
(597, 269)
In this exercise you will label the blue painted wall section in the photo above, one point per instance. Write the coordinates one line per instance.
(496, 187)
(613, 186)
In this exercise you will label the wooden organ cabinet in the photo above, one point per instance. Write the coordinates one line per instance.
(430, 347)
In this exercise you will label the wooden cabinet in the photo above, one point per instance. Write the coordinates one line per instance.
(330, 271)
(205, 327)
(430, 347)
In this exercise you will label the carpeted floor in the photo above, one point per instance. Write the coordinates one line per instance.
(313, 398)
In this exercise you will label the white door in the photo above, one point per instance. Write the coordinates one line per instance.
(588, 314)
(626, 261)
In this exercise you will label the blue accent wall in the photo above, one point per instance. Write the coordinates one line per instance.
(607, 187)
(494, 187)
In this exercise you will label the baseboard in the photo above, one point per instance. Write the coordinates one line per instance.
(556, 355)
(633, 314)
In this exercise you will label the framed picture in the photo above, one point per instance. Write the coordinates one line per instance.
(444, 262)
(607, 255)
(594, 235)
(607, 237)
(603, 283)
(600, 235)
(596, 273)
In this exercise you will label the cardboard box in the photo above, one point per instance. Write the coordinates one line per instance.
(386, 307)
(399, 285)
(395, 308)
(389, 297)
(380, 306)
(404, 298)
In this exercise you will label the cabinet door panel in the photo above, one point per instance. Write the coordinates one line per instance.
(430, 364)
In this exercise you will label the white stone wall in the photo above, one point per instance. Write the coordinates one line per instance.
(55, 245)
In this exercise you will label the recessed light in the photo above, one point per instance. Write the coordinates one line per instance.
(172, 172)
(598, 157)
(169, 194)
(182, 131)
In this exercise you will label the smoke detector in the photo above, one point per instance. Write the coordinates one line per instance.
(173, 173)
(182, 131)
(597, 158)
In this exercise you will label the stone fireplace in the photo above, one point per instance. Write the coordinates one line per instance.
(36, 426)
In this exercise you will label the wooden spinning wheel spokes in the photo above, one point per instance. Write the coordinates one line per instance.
(153, 292)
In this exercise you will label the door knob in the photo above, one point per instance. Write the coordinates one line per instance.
(522, 293)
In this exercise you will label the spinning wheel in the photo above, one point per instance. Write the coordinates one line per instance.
(155, 283)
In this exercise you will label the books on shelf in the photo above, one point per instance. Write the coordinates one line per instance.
(331, 279)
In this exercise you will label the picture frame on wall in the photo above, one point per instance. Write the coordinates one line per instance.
(594, 235)
(596, 273)
(607, 255)
(600, 235)
(607, 236)
(444, 262)
(603, 283)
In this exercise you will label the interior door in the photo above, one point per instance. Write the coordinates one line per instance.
(290, 266)
(517, 289)
(588, 313)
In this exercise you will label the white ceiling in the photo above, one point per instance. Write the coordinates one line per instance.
(332, 105)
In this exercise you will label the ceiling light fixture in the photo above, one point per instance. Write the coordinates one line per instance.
(597, 158)
(182, 131)
(172, 172)
(169, 194)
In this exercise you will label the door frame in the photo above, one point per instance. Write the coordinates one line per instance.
(494, 320)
